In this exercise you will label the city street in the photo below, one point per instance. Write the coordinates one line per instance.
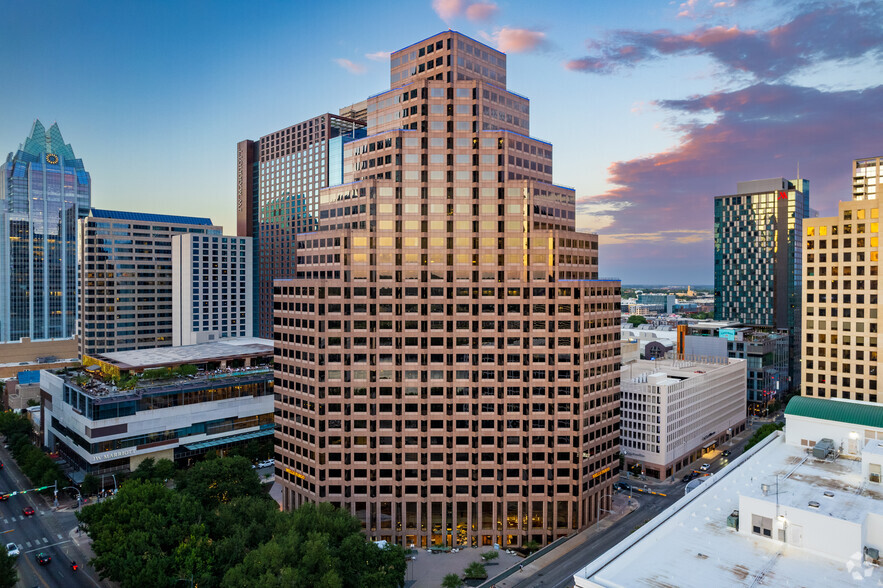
(46, 531)
(558, 572)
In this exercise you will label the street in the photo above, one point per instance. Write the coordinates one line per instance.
(559, 573)
(46, 531)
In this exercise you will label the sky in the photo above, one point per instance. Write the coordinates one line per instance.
(653, 107)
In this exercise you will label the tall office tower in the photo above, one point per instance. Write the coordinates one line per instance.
(447, 356)
(44, 189)
(126, 278)
(757, 261)
(841, 320)
(277, 187)
(211, 286)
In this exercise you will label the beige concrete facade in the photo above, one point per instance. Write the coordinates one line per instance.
(674, 411)
(841, 287)
(447, 358)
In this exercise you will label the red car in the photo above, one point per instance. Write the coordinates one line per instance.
(28, 511)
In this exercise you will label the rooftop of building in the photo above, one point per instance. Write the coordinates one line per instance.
(215, 351)
(868, 414)
(669, 371)
(690, 543)
(151, 218)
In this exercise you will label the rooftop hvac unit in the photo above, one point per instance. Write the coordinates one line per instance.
(872, 553)
(823, 448)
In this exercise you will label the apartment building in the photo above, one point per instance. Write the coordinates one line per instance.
(126, 278)
(447, 356)
(841, 284)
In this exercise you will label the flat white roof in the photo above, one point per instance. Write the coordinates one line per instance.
(201, 352)
(873, 446)
(690, 544)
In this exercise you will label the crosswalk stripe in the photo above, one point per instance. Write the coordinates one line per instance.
(45, 540)
(59, 536)
(28, 544)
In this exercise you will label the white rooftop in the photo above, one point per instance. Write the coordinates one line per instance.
(201, 352)
(874, 447)
(690, 543)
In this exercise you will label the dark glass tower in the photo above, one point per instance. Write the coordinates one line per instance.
(44, 189)
(757, 261)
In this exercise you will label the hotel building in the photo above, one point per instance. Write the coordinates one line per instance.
(447, 357)
(757, 260)
(126, 278)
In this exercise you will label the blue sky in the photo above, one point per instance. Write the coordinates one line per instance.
(653, 107)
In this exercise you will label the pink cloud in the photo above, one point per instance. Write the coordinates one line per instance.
(352, 67)
(481, 11)
(510, 40)
(831, 31)
(378, 56)
(762, 131)
(448, 10)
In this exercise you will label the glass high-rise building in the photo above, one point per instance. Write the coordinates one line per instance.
(44, 189)
(757, 263)
(447, 357)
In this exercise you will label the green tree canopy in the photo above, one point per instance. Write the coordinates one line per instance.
(452, 581)
(218, 481)
(134, 534)
(636, 320)
(8, 573)
(321, 546)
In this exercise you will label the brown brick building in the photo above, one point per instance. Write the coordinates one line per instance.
(447, 360)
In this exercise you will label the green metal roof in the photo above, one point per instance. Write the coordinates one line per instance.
(843, 411)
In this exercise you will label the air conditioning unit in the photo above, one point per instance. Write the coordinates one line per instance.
(873, 554)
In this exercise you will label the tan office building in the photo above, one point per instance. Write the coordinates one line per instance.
(447, 358)
(841, 287)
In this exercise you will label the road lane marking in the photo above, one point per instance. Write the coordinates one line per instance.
(53, 545)
(28, 544)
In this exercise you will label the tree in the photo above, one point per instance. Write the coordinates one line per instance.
(636, 320)
(763, 432)
(8, 573)
(217, 481)
(90, 485)
(452, 581)
(490, 555)
(531, 546)
(323, 546)
(134, 534)
(475, 571)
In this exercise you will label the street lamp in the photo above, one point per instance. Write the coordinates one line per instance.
(77, 490)
(598, 519)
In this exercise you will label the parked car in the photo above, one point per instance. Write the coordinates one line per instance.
(12, 550)
(704, 467)
(43, 558)
(28, 511)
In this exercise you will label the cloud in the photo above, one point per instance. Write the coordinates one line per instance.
(825, 31)
(510, 40)
(481, 11)
(378, 56)
(449, 10)
(705, 8)
(666, 199)
(353, 68)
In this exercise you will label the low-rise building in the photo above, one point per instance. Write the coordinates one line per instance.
(170, 402)
(783, 513)
(26, 355)
(766, 352)
(673, 411)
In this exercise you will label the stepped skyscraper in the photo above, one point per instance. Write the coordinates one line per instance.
(447, 357)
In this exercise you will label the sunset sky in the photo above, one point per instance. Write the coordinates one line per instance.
(653, 107)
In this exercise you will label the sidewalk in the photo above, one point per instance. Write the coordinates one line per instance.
(622, 505)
